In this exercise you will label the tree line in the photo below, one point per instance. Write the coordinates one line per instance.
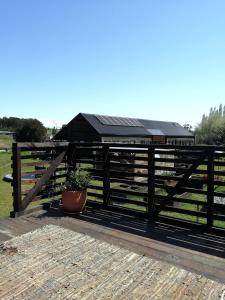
(25, 130)
(211, 129)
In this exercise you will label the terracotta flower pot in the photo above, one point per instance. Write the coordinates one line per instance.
(74, 201)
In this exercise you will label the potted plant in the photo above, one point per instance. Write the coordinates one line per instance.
(74, 194)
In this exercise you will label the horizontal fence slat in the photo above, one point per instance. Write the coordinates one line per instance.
(128, 158)
(36, 163)
(48, 156)
(128, 182)
(219, 194)
(219, 173)
(95, 195)
(128, 192)
(219, 183)
(127, 201)
(91, 162)
(184, 211)
(160, 146)
(88, 155)
(40, 172)
(218, 217)
(134, 166)
(95, 187)
(193, 191)
(168, 177)
(122, 150)
(42, 145)
(178, 152)
(180, 200)
(127, 174)
(175, 160)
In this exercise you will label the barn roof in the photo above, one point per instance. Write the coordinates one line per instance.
(120, 126)
(145, 128)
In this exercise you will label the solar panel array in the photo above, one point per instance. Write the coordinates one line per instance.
(119, 121)
(155, 132)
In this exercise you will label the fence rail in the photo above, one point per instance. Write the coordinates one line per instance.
(185, 183)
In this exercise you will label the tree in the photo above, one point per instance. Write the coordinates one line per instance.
(188, 127)
(211, 129)
(31, 130)
(54, 130)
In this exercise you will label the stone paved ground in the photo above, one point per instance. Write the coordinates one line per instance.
(56, 263)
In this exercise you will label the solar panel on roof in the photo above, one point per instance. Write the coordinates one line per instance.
(155, 131)
(119, 121)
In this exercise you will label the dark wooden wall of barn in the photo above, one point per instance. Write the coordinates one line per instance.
(78, 130)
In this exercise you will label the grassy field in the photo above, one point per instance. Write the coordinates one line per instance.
(5, 187)
(5, 140)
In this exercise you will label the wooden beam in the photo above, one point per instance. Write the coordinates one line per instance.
(151, 180)
(16, 165)
(71, 156)
(106, 175)
(45, 145)
(210, 188)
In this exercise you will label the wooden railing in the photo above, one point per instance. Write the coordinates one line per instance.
(157, 182)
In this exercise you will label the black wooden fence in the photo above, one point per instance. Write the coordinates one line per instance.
(158, 182)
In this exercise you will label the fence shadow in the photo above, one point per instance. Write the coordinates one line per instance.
(189, 238)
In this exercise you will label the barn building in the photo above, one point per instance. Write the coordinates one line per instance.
(98, 128)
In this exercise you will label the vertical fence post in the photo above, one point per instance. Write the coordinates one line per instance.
(16, 173)
(151, 186)
(210, 188)
(106, 176)
(71, 156)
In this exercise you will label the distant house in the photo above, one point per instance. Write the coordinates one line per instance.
(98, 128)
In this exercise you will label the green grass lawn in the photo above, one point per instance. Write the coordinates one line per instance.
(5, 168)
(5, 187)
(5, 140)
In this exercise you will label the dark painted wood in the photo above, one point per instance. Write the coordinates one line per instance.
(128, 158)
(151, 180)
(180, 200)
(129, 166)
(210, 187)
(41, 146)
(129, 192)
(129, 182)
(114, 170)
(16, 165)
(106, 175)
(123, 174)
(128, 201)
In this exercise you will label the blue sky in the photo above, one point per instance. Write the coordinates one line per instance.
(162, 59)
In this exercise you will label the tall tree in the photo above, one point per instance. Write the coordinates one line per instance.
(211, 130)
(31, 130)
